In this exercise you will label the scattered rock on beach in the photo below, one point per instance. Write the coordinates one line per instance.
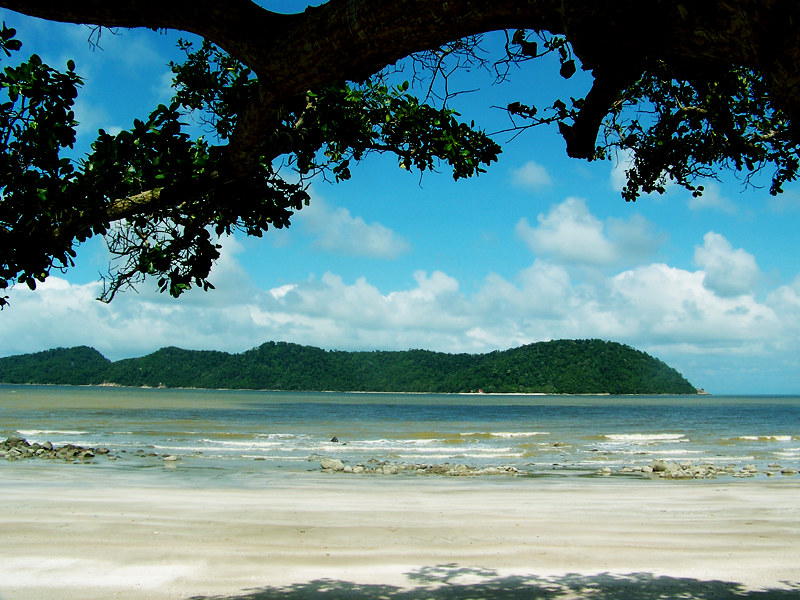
(331, 464)
(16, 448)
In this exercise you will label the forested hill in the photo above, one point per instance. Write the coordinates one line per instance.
(558, 367)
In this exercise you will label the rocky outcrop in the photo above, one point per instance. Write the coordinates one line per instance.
(388, 468)
(688, 470)
(17, 448)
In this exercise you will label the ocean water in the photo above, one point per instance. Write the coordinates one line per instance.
(246, 437)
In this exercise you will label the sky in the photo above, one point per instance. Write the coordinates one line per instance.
(540, 247)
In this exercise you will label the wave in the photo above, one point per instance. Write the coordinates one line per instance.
(35, 432)
(764, 438)
(788, 453)
(503, 434)
(646, 437)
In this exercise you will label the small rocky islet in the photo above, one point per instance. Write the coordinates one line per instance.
(15, 448)
(18, 448)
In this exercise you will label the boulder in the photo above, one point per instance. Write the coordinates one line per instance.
(331, 464)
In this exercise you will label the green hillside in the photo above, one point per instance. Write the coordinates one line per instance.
(66, 366)
(558, 367)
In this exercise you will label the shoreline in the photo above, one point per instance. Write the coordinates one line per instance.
(327, 537)
(489, 394)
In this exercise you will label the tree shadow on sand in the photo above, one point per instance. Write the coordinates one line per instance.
(453, 582)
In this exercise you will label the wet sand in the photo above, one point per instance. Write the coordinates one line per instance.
(397, 538)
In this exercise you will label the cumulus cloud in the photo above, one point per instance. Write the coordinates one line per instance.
(667, 305)
(570, 233)
(336, 230)
(712, 199)
(531, 175)
(673, 313)
(729, 272)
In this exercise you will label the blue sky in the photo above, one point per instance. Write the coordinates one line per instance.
(540, 247)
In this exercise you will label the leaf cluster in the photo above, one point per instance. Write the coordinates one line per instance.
(689, 129)
(37, 185)
(162, 199)
(676, 126)
(341, 124)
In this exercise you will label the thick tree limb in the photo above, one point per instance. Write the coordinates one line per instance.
(351, 39)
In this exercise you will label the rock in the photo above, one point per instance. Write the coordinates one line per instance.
(331, 464)
(170, 458)
(359, 469)
(390, 469)
(788, 471)
(659, 466)
(647, 469)
(14, 440)
(101, 450)
(335, 440)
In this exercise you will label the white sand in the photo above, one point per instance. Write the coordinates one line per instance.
(513, 539)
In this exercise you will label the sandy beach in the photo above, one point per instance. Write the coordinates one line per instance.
(411, 539)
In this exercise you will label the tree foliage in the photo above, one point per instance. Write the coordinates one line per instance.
(559, 367)
(681, 89)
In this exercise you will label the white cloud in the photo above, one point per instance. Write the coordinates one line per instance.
(728, 272)
(787, 202)
(532, 175)
(665, 305)
(670, 312)
(712, 199)
(571, 234)
(336, 230)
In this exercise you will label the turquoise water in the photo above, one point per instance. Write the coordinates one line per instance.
(246, 436)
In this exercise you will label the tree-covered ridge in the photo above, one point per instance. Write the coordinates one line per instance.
(557, 367)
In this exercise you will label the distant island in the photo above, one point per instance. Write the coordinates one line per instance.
(557, 367)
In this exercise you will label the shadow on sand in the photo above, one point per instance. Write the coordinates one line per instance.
(452, 582)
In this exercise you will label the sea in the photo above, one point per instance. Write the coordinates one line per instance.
(251, 438)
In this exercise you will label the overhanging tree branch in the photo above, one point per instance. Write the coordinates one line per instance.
(748, 50)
